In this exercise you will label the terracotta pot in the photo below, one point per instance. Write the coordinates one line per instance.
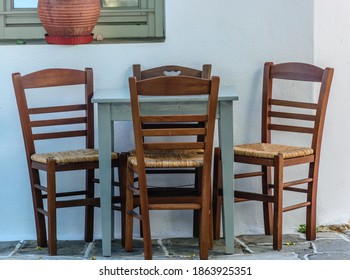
(64, 19)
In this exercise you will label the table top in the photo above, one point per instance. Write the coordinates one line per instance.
(122, 95)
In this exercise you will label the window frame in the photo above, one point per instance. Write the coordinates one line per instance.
(143, 22)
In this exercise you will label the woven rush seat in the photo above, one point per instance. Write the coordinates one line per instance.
(71, 156)
(170, 158)
(266, 150)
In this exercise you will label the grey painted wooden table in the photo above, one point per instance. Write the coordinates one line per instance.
(114, 105)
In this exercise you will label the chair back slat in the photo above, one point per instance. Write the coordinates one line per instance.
(297, 71)
(53, 78)
(174, 118)
(176, 86)
(293, 116)
(173, 132)
(174, 146)
(288, 103)
(291, 128)
(56, 135)
(57, 109)
(54, 122)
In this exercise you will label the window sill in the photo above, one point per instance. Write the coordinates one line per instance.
(94, 42)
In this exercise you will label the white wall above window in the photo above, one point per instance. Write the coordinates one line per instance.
(118, 19)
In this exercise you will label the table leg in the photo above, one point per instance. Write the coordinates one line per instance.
(105, 148)
(226, 144)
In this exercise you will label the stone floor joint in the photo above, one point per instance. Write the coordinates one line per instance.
(244, 246)
(165, 250)
(89, 249)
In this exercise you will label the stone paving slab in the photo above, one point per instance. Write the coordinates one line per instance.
(327, 246)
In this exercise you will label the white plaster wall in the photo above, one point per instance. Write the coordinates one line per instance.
(237, 37)
(332, 48)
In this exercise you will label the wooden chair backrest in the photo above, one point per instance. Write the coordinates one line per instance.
(171, 70)
(274, 108)
(167, 124)
(46, 122)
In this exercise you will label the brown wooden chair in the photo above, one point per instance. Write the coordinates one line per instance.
(176, 153)
(51, 121)
(176, 70)
(280, 114)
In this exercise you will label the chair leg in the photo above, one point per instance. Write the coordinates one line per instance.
(38, 204)
(196, 213)
(211, 230)
(267, 207)
(129, 208)
(51, 207)
(146, 226)
(89, 209)
(146, 229)
(278, 202)
(311, 196)
(204, 242)
(217, 199)
(204, 239)
(196, 219)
